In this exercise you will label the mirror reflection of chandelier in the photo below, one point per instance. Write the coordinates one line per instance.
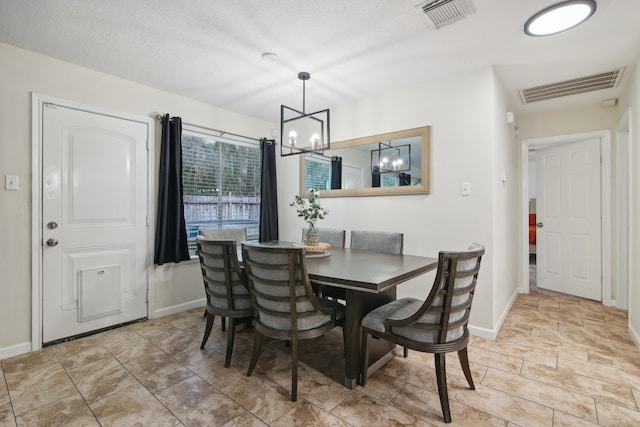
(388, 158)
(302, 132)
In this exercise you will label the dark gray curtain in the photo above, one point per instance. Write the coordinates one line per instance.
(375, 176)
(336, 173)
(268, 192)
(171, 235)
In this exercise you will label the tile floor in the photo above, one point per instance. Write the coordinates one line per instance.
(558, 361)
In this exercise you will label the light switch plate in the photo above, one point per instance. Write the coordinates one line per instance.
(465, 189)
(11, 182)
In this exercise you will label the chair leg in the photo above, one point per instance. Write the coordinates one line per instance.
(364, 357)
(257, 343)
(441, 378)
(464, 363)
(294, 370)
(230, 336)
(207, 329)
(405, 352)
(224, 323)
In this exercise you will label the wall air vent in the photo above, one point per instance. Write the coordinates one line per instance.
(606, 80)
(445, 12)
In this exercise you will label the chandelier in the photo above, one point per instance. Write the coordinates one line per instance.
(302, 132)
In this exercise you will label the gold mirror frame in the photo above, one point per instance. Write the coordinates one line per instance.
(423, 188)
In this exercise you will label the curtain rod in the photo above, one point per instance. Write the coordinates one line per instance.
(221, 132)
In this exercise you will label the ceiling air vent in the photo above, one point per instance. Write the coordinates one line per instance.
(606, 80)
(445, 12)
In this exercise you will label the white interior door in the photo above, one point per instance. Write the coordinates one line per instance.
(94, 210)
(569, 219)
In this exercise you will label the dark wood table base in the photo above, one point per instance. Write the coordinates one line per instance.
(358, 305)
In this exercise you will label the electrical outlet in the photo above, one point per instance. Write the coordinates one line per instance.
(11, 182)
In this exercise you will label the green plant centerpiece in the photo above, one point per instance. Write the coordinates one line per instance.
(310, 212)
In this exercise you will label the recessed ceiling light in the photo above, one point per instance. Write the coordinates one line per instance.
(559, 17)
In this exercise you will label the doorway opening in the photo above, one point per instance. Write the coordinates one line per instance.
(528, 158)
(532, 218)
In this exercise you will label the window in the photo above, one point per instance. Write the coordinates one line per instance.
(221, 180)
(318, 173)
(389, 180)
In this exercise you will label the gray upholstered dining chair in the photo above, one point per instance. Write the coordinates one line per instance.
(285, 305)
(378, 241)
(224, 283)
(235, 233)
(336, 239)
(333, 236)
(436, 325)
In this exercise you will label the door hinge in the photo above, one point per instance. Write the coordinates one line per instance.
(147, 297)
(148, 147)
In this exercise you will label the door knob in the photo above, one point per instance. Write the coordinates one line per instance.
(539, 225)
(52, 242)
(52, 225)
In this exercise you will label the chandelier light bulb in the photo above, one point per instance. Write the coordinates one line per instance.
(292, 138)
(315, 139)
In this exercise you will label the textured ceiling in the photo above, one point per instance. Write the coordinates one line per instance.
(210, 50)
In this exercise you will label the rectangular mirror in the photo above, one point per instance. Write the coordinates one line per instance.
(393, 163)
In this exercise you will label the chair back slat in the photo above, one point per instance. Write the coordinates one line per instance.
(237, 234)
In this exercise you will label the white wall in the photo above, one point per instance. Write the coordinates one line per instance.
(533, 191)
(470, 142)
(506, 210)
(568, 121)
(23, 72)
(634, 203)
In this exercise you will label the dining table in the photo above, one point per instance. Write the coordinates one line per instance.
(369, 280)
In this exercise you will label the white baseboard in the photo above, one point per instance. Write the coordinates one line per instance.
(22, 348)
(634, 336)
(491, 334)
(168, 311)
(15, 350)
